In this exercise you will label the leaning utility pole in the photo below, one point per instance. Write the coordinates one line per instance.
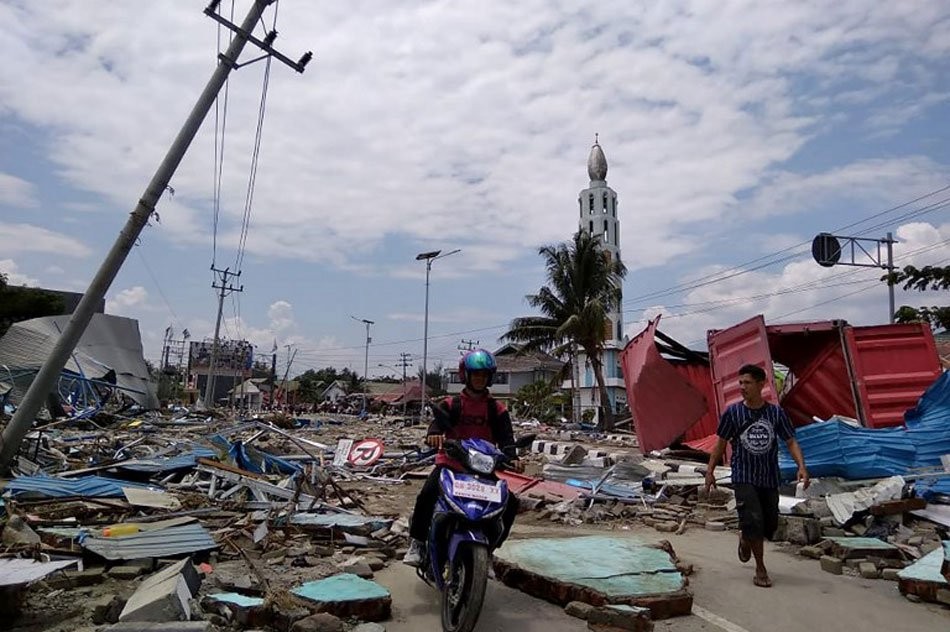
(42, 384)
(224, 289)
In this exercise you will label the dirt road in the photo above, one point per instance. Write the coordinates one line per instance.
(803, 598)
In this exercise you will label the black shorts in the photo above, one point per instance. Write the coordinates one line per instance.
(758, 510)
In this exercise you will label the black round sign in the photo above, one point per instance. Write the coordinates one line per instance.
(826, 249)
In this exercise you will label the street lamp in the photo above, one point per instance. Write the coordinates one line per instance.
(365, 358)
(428, 257)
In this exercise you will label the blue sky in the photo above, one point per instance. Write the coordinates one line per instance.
(733, 130)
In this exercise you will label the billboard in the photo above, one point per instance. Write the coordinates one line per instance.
(233, 355)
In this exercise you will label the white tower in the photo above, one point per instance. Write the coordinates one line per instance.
(597, 209)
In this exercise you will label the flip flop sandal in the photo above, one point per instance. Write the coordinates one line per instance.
(746, 556)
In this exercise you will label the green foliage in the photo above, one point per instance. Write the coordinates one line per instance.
(540, 400)
(23, 303)
(582, 289)
(928, 278)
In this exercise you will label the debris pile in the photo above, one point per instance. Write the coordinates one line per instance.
(267, 523)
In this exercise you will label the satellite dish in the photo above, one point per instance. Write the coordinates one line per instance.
(826, 249)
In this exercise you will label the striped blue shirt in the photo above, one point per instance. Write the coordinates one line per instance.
(754, 433)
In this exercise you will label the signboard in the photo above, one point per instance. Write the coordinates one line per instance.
(233, 355)
(342, 452)
(366, 452)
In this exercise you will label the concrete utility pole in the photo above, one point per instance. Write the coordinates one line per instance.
(224, 289)
(43, 383)
(405, 361)
(467, 345)
(365, 356)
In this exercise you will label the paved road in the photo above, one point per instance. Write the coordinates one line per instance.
(804, 599)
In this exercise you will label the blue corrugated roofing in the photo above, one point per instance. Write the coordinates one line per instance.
(834, 448)
(43, 486)
(167, 464)
(929, 423)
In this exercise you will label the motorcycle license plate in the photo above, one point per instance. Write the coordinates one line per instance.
(477, 491)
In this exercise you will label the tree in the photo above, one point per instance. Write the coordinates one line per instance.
(541, 400)
(24, 303)
(928, 278)
(433, 380)
(583, 287)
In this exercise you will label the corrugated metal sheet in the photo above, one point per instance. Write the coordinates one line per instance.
(894, 365)
(189, 538)
(43, 486)
(834, 448)
(17, 572)
(166, 464)
(664, 405)
(729, 350)
(928, 423)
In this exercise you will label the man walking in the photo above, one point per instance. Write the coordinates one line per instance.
(753, 426)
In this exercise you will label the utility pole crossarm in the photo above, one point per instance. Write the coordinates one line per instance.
(53, 365)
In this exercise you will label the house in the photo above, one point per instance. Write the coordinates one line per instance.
(334, 392)
(247, 395)
(515, 369)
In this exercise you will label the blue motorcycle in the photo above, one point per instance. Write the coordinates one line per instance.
(466, 528)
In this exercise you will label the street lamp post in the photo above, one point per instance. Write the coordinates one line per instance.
(428, 257)
(365, 358)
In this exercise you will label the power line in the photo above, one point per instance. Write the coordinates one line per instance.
(219, 151)
(740, 269)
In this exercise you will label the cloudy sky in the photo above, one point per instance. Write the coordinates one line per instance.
(734, 130)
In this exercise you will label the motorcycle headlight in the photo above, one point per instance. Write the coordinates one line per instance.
(481, 463)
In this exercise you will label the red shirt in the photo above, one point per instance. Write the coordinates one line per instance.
(473, 423)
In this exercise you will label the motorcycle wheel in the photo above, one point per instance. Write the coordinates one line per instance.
(464, 593)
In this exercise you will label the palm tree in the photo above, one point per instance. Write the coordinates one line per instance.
(583, 288)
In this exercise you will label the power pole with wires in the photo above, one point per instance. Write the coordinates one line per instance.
(467, 345)
(405, 361)
(366, 322)
(52, 367)
(224, 288)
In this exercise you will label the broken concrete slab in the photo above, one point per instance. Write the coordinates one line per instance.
(928, 576)
(848, 548)
(598, 570)
(347, 595)
(165, 595)
(237, 608)
(17, 532)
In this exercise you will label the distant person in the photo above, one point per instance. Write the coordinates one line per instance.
(753, 426)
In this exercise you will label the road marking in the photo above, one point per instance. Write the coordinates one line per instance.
(715, 619)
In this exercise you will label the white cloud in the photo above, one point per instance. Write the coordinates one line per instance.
(382, 138)
(17, 192)
(55, 270)
(10, 269)
(20, 238)
(128, 302)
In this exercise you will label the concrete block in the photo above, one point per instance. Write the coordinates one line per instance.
(802, 531)
(578, 609)
(868, 570)
(831, 565)
(832, 532)
(890, 574)
(621, 617)
(369, 627)
(321, 622)
(157, 602)
(714, 525)
(106, 609)
(814, 552)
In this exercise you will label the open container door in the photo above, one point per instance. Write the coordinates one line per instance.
(729, 350)
(663, 403)
(893, 366)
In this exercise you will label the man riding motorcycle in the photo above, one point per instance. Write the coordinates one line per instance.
(474, 414)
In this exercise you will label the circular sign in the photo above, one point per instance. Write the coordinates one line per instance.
(826, 249)
(366, 452)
